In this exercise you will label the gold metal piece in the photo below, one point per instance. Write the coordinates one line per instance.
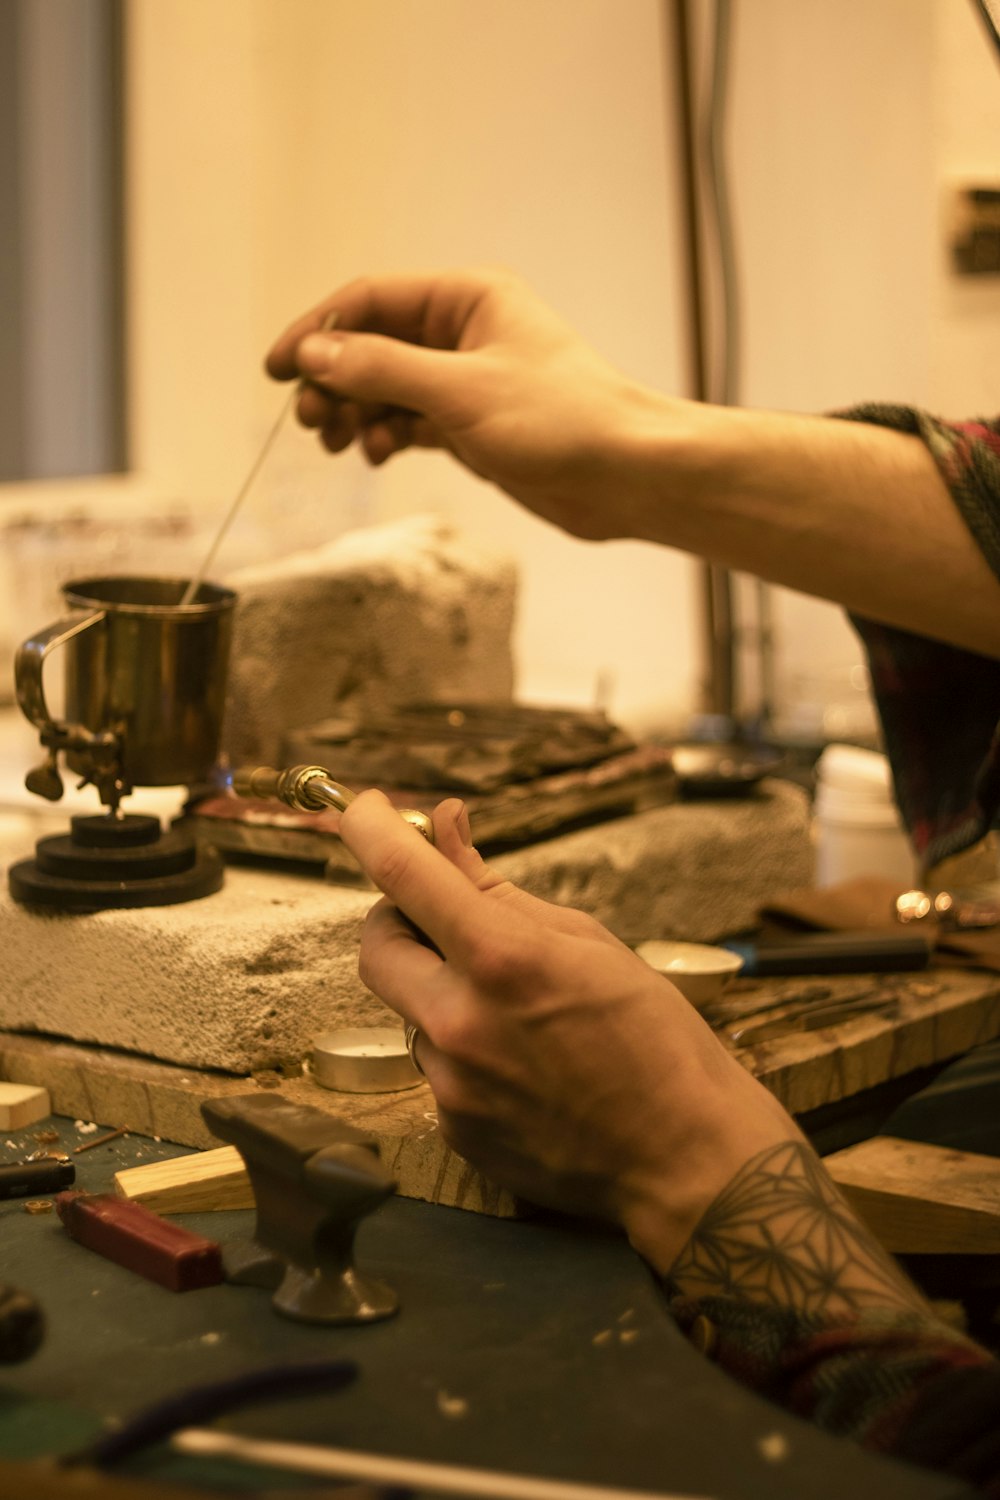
(913, 906)
(954, 912)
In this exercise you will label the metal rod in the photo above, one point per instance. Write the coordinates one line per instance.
(445, 1479)
(720, 690)
(191, 592)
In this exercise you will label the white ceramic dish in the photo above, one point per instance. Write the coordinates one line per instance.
(699, 970)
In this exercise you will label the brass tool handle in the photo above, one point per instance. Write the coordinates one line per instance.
(28, 666)
(57, 734)
(310, 789)
(306, 788)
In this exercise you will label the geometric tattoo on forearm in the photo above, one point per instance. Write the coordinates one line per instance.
(781, 1234)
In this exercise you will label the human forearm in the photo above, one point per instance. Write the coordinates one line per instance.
(785, 1290)
(780, 1235)
(472, 362)
(847, 511)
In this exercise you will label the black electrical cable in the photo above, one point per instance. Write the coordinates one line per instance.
(200, 1403)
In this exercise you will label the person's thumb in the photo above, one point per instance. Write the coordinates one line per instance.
(370, 368)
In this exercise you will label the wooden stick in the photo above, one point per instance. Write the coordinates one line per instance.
(446, 1479)
(101, 1140)
(189, 1184)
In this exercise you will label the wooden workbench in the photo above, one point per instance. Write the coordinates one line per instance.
(540, 1347)
(919, 1020)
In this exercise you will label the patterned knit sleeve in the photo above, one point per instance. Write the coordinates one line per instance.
(898, 1383)
(939, 705)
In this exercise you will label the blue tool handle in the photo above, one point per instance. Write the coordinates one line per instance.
(835, 953)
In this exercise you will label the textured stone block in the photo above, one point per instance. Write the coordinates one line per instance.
(697, 871)
(259, 969)
(250, 973)
(390, 614)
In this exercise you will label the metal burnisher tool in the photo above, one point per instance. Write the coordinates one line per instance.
(311, 789)
(314, 1179)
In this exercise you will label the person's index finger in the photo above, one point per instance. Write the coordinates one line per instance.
(280, 361)
(419, 880)
(391, 305)
(397, 306)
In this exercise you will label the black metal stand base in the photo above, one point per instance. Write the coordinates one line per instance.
(106, 862)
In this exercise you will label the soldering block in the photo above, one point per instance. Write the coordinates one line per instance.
(139, 1240)
(265, 965)
(22, 1104)
(402, 613)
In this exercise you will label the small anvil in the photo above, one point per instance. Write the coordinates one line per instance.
(314, 1178)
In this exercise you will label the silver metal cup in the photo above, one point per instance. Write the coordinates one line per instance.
(145, 684)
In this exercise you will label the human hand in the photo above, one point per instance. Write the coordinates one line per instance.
(562, 1065)
(474, 363)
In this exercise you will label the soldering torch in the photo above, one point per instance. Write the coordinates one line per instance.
(311, 789)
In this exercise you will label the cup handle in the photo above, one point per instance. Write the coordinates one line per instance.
(28, 662)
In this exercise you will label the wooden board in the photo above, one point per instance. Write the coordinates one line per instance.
(22, 1104)
(163, 1101)
(919, 1199)
(198, 1182)
(929, 1018)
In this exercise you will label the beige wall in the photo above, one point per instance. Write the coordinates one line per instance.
(965, 326)
(277, 147)
(280, 148)
(833, 149)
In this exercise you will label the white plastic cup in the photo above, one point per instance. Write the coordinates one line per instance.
(856, 823)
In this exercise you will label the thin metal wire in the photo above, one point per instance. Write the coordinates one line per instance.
(196, 582)
(190, 593)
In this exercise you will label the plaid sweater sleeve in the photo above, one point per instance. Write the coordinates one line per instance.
(898, 1383)
(939, 705)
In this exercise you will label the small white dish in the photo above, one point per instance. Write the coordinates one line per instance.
(699, 970)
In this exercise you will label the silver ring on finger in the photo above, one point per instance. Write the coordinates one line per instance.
(410, 1035)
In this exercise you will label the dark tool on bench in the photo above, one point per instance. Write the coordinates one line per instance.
(30, 1179)
(314, 1178)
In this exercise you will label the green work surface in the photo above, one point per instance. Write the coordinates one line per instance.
(535, 1347)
